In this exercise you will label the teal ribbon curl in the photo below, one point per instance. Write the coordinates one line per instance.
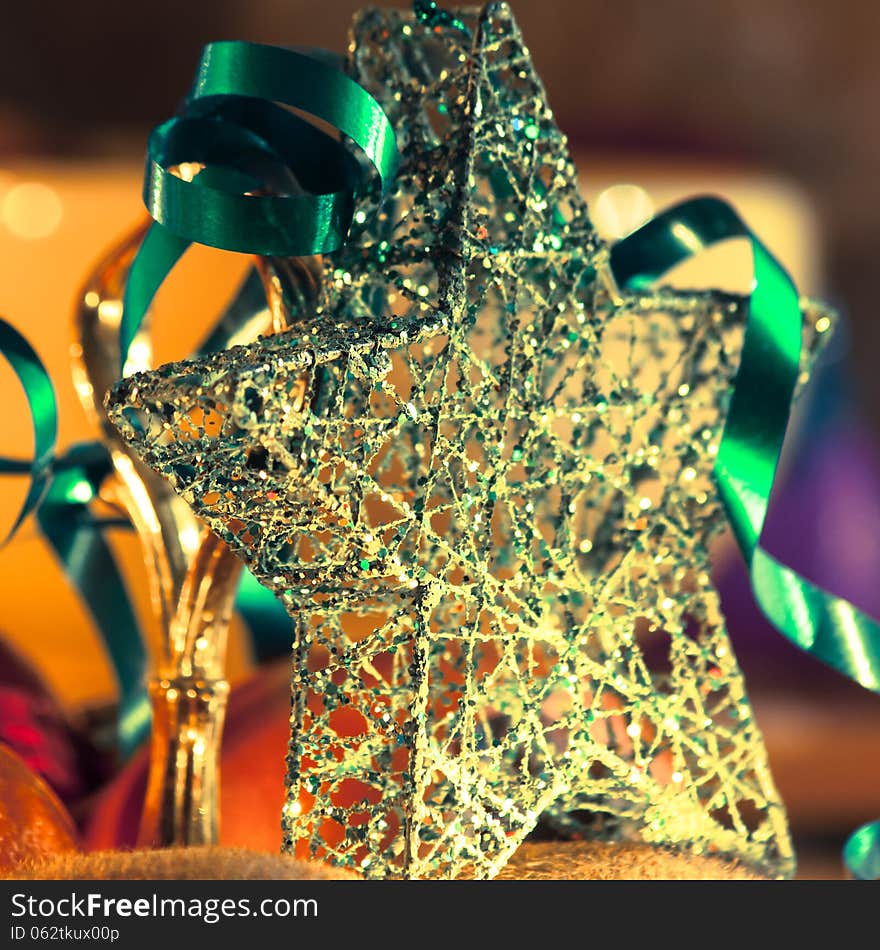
(80, 545)
(60, 491)
(827, 627)
(232, 126)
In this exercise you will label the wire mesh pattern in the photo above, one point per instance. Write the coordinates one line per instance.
(480, 479)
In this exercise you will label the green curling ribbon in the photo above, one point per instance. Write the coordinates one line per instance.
(231, 126)
(828, 627)
(59, 492)
(42, 407)
(267, 620)
(435, 16)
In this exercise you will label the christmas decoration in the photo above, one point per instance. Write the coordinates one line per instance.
(480, 477)
(35, 727)
(480, 465)
(33, 823)
(75, 497)
(255, 736)
(194, 579)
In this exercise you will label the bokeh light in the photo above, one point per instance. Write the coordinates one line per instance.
(31, 210)
(620, 209)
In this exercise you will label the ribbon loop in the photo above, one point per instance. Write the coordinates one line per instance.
(87, 559)
(232, 101)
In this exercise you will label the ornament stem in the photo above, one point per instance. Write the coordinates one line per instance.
(192, 576)
(183, 786)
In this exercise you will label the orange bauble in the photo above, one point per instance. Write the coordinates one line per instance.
(33, 823)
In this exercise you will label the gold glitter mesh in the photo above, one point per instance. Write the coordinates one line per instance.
(481, 482)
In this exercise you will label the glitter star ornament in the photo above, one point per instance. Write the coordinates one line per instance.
(480, 480)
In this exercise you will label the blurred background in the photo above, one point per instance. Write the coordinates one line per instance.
(788, 87)
(768, 104)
